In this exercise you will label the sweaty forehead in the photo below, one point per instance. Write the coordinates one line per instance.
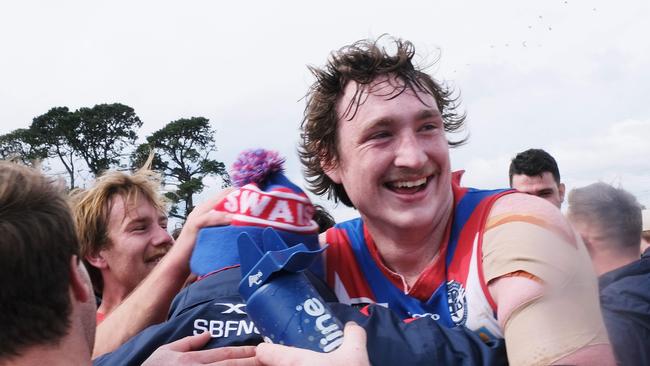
(355, 95)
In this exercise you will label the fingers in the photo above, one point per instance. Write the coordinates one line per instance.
(354, 345)
(204, 214)
(250, 361)
(354, 337)
(189, 343)
(276, 354)
(212, 201)
(352, 352)
(243, 355)
(213, 218)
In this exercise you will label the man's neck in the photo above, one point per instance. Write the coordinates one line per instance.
(112, 295)
(68, 352)
(607, 261)
(408, 251)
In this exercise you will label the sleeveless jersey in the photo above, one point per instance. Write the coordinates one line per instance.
(451, 289)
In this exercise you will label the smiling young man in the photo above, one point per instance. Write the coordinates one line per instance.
(122, 226)
(501, 263)
(535, 172)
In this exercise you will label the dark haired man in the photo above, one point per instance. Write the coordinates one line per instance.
(47, 309)
(535, 172)
(499, 262)
(609, 221)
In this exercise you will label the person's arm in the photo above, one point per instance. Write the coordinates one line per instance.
(149, 302)
(540, 276)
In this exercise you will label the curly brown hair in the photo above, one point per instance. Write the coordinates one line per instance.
(361, 62)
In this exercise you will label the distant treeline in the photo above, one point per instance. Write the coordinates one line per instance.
(89, 141)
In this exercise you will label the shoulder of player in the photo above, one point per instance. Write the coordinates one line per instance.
(527, 208)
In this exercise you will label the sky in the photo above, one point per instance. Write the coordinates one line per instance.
(570, 77)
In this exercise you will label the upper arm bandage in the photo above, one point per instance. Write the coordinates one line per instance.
(566, 316)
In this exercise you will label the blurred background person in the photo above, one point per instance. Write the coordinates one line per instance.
(609, 221)
(535, 172)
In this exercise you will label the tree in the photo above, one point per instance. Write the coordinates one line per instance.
(184, 151)
(104, 131)
(20, 145)
(55, 133)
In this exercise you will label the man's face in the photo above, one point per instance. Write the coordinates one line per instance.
(138, 240)
(393, 158)
(543, 186)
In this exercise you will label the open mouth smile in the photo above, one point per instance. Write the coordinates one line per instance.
(155, 259)
(408, 186)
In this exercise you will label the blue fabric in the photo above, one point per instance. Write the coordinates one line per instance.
(625, 302)
(216, 247)
(213, 303)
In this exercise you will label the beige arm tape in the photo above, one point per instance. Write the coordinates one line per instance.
(566, 317)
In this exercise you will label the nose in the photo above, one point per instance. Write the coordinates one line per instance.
(409, 152)
(162, 237)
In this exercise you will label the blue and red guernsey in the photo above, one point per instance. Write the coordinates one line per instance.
(451, 289)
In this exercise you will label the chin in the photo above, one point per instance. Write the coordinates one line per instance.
(413, 219)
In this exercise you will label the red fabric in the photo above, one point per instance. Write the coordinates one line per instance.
(99, 317)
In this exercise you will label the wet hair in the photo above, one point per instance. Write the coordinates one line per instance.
(362, 63)
(37, 243)
(323, 218)
(92, 209)
(534, 162)
(615, 211)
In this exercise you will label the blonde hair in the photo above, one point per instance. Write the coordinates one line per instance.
(91, 208)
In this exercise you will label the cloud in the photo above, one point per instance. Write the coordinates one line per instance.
(618, 154)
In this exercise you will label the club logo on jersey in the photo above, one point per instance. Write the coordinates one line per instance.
(457, 302)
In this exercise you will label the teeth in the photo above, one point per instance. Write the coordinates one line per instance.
(409, 184)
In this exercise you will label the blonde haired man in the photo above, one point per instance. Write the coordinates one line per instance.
(122, 227)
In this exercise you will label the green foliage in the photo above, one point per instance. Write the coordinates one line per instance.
(54, 133)
(92, 138)
(21, 145)
(103, 132)
(184, 151)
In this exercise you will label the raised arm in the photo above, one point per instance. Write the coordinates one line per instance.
(149, 302)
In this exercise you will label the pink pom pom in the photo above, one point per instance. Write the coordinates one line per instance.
(253, 166)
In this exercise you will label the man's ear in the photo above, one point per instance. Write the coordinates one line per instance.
(561, 188)
(97, 260)
(332, 170)
(79, 280)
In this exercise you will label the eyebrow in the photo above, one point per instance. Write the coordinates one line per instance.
(428, 113)
(136, 221)
(386, 121)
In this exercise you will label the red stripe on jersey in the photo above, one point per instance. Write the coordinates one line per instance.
(341, 259)
(459, 266)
